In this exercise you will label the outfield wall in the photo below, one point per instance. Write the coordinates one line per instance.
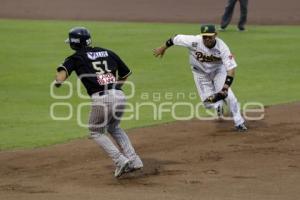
(198, 11)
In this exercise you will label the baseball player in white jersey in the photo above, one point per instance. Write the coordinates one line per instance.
(213, 68)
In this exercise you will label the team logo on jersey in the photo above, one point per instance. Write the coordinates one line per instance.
(104, 79)
(95, 55)
(205, 58)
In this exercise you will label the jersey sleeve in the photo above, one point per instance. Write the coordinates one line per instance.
(227, 57)
(68, 65)
(183, 40)
(122, 69)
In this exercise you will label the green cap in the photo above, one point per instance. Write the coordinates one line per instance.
(208, 29)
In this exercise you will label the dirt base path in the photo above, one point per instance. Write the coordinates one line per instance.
(183, 160)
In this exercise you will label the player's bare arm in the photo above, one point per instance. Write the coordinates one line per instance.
(121, 81)
(160, 51)
(61, 76)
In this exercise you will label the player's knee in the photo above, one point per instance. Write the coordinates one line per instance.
(96, 132)
(112, 129)
(232, 100)
(209, 105)
(94, 135)
(213, 105)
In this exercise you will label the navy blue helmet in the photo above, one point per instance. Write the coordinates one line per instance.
(79, 38)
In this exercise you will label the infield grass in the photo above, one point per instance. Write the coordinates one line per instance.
(268, 72)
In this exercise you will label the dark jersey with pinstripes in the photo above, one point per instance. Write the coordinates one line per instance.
(97, 68)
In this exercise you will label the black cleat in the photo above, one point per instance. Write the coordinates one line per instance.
(220, 111)
(241, 128)
(241, 29)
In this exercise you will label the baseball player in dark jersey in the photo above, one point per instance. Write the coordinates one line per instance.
(102, 73)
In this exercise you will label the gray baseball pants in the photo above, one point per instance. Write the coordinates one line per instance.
(105, 116)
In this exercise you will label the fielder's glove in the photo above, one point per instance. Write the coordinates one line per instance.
(216, 97)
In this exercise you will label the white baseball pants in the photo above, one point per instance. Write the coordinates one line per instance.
(208, 84)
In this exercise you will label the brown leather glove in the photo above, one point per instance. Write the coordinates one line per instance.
(217, 96)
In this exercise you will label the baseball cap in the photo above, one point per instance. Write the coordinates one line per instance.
(208, 29)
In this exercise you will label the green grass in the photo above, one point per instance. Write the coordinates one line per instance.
(268, 72)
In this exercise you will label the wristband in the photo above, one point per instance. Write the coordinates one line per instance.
(224, 89)
(228, 80)
(169, 42)
(57, 84)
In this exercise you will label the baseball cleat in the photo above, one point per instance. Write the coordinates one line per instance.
(135, 164)
(241, 128)
(221, 29)
(220, 111)
(122, 168)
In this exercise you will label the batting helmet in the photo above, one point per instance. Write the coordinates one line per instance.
(79, 38)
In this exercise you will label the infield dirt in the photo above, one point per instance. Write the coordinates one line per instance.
(183, 160)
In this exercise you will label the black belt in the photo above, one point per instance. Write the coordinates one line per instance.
(106, 88)
(104, 92)
(101, 93)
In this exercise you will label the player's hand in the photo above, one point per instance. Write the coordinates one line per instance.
(160, 51)
(57, 83)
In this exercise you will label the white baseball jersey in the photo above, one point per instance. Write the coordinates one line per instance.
(203, 58)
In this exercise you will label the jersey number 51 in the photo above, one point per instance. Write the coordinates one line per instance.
(98, 66)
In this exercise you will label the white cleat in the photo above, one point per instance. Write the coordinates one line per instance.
(122, 168)
(135, 164)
